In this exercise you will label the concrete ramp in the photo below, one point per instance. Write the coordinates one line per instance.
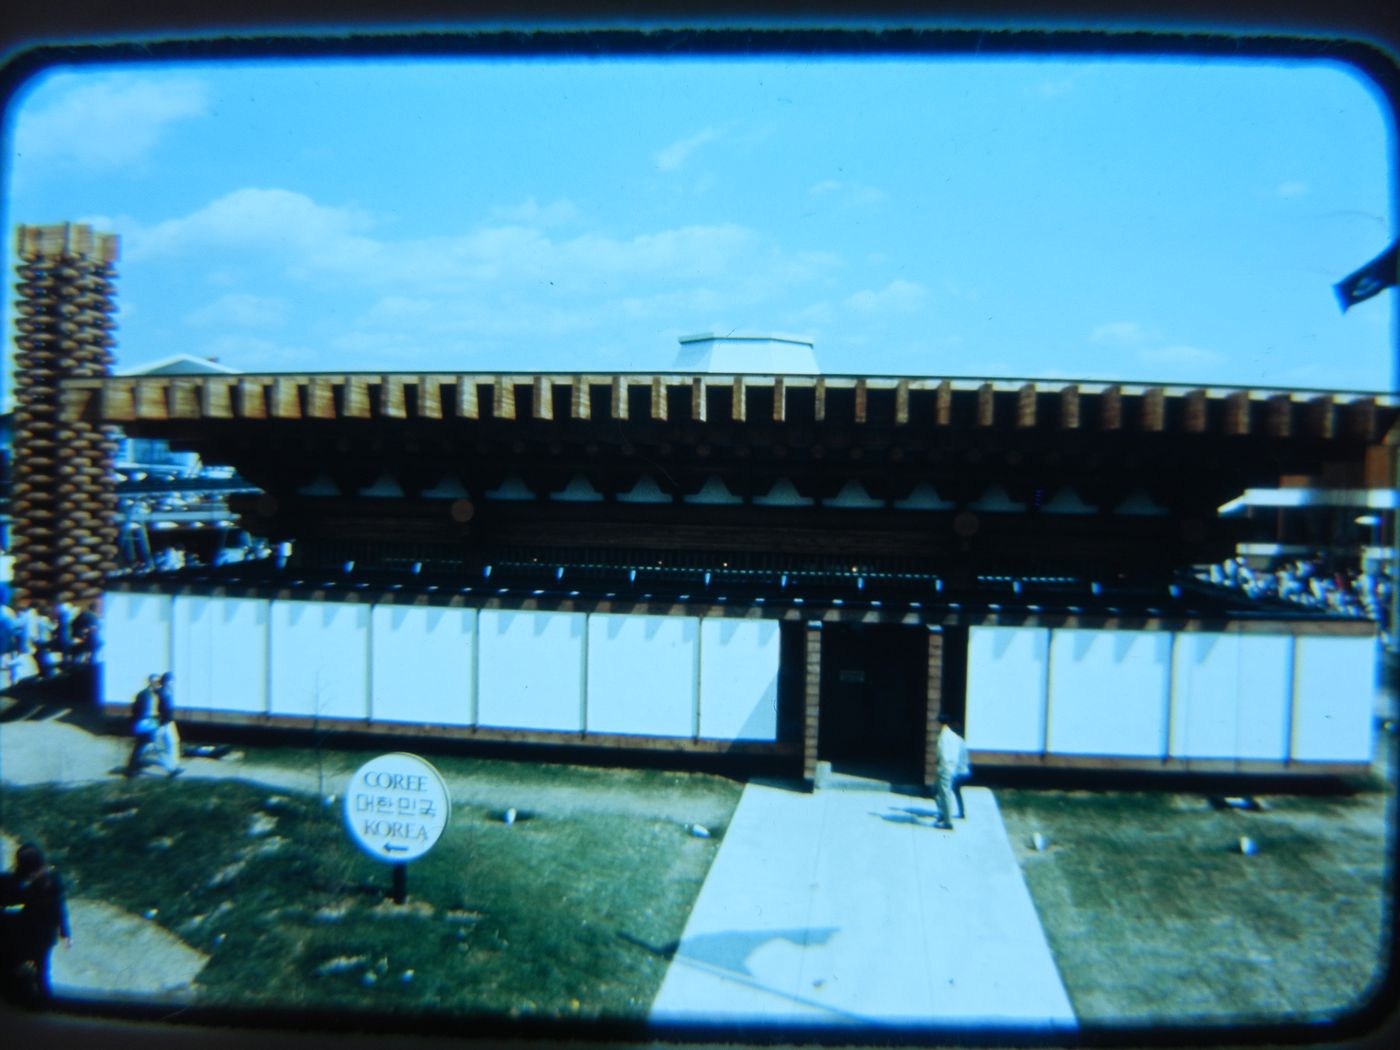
(849, 908)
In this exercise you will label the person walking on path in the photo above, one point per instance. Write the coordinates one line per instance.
(167, 735)
(145, 721)
(32, 932)
(953, 770)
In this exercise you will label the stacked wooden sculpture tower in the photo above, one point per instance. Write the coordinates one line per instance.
(64, 499)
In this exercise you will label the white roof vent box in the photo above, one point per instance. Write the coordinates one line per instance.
(736, 353)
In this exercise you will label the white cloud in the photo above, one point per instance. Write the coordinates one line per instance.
(850, 193)
(105, 124)
(677, 153)
(1185, 356)
(1120, 333)
(1289, 190)
(241, 311)
(899, 296)
(269, 218)
(531, 213)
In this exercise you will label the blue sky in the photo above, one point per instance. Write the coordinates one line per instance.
(1126, 220)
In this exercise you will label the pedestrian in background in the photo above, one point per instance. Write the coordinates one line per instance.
(167, 735)
(31, 932)
(954, 769)
(145, 721)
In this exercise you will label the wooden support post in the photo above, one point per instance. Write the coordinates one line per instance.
(430, 397)
(1069, 408)
(697, 400)
(779, 400)
(503, 397)
(468, 406)
(738, 411)
(862, 400)
(1154, 410)
(901, 403)
(1237, 413)
(1111, 404)
(285, 402)
(934, 705)
(252, 404)
(184, 399)
(943, 404)
(659, 408)
(542, 406)
(320, 399)
(619, 397)
(218, 398)
(1026, 406)
(819, 401)
(580, 404)
(356, 398)
(811, 707)
(1197, 419)
(1280, 416)
(986, 405)
(150, 399)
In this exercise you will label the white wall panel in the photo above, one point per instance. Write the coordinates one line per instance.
(530, 670)
(320, 659)
(739, 679)
(1006, 669)
(135, 642)
(423, 666)
(1334, 690)
(642, 674)
(1231, 696)
(220, 658)
(1108, 692)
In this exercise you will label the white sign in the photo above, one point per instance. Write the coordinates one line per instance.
(396, 807)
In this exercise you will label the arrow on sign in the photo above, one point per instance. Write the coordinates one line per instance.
(390, 848)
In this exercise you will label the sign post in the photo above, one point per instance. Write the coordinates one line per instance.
(396, 808)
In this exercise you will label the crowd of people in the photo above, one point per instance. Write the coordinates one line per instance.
(35, 642)
(1310, 582)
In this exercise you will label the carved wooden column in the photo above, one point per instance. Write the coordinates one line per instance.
(65, 503)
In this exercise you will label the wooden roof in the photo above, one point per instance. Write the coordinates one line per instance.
(857, 401)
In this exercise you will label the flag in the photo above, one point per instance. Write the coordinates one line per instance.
(1372, 279)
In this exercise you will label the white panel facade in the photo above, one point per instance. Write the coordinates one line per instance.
(530, 670)
(1108, 693)
(1231, 696)
(320, 659)
(1006, 677)
(220, 658)
(423, 665)
(1334, 705)
(642, 674)
(135, 642)
(739, 679)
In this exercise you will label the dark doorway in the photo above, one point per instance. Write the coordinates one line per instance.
(874, 695)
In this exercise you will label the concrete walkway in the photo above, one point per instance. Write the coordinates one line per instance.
(848, 908)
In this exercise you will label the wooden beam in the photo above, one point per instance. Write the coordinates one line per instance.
(1069, 408)
(1237, 413)
(619, 397)
(391, 399)
(943, 404)
(252, 401)
(1279, 416)
(811, 701)
(1196, 418)
(901, 403)
(862, 401)
(1111, 409)
(184, 398)
(819, 401)
(986, 405)
(430, 396)
(320, 398)
(698, 409)
(467, 403)
(580, 404)
(356, 398)
(659, 409)
(502, 397)
(933, 705)
(1321, 417)
(217, 396)
(1026, 406)
(779, 400)
(542, 398)
(1359, 420)
(738, 406)
(1154, 410)
(150, 399)
(285, 402)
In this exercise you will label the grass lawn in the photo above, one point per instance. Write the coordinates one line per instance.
(564, 914)
(1155, 916)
